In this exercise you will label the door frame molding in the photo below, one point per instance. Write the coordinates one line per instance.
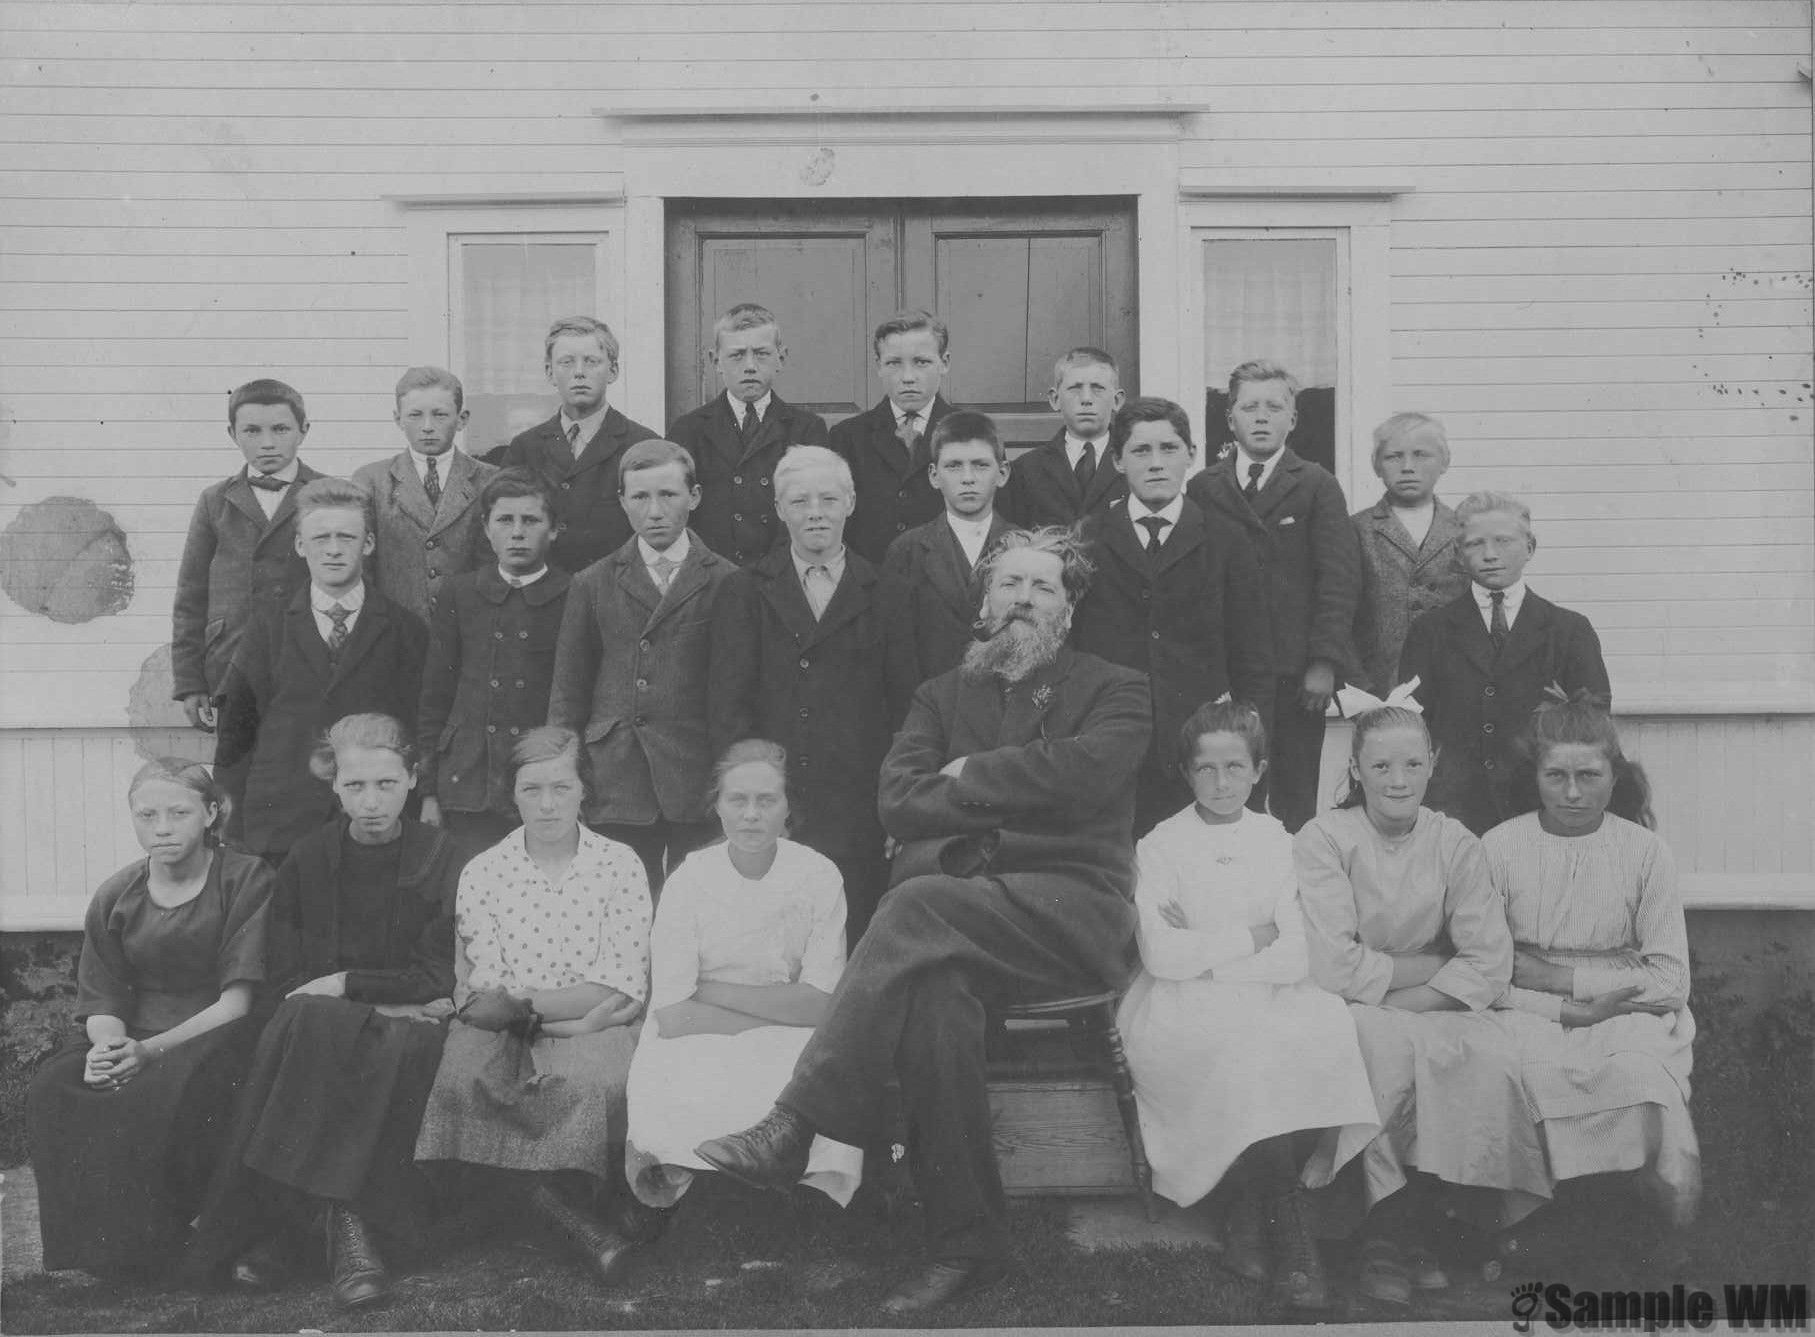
(909, 153)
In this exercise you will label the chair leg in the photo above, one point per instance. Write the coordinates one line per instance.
(1121, 1081)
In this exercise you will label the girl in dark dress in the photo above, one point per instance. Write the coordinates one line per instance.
(361, 969)
(124, 1122)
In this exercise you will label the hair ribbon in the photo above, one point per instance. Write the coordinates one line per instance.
(1353, 701)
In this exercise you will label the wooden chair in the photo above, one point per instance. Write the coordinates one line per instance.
(1091, 1021)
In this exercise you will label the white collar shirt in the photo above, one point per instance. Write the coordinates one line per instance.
(1074, 449)
(269, 499)
(589, 428)
(1244, 461)
(518, 582)
(971, 534)
(1515, 600)
(1138, 510)
(320, 601)
(739, 408)
(444, 463)
(677, 554)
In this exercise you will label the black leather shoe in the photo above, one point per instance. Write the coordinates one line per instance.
(608, 1251)
(941, 1282)
(1298, 1276)
(260, 1268)
(769, 1155)
(359, 1274)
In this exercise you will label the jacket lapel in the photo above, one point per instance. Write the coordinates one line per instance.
(306, 637)
(1528, 633)
(1385, 524)
(1024, 715)
(1226, 495)
(1470, 633)
(848, 601)
(1057, 467)
(1281, 485)
(367, 628)
(769, 431)
(1101, 481)
(687, 582)
(407, 493)
(781, 587)
(239, 495)
(457, 490)
(634, 581)
(605, 444)
(1122, 543)
(882, 442)
(1184, 538)
(949, 571)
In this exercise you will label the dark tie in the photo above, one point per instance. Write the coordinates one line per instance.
(1154, 525)
(1086, 467)
(337, 638)
(431, 482)
(266, 483)
(573, 438)
(1497, 630)
(1253, 489)
(749, 425)
(909, 436)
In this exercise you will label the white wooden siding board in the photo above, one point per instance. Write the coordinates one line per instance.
(300, 329)
(692, 84)
(1620, 235)
(299, 216)
(273, 299)
(1605, 398)
(1543, 261)
(1563, 209)
(494, 172)
(1606, 302)
(252, 128)
(1782, 340)
(557, 19)
(287, 244)
(1354, 156)
(221, 278)
(909, 39)
(1614, 364)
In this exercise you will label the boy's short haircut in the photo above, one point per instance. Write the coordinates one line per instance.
(335, 494)
(966, 425)
(586, 327)
(1490, 503)
(431, 378)
(906, 322)
(1252, 373)
(265, 392)
(1148, 408)
(519, 482)
(1082, 356)
(744, 316)
(1401, 425)
(653, 454)
(798, 459)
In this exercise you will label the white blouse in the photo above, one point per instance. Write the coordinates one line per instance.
(521, 932)
(1227, 880)
(715, 925)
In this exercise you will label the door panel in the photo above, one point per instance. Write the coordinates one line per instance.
(828, 277)
(1017, 282)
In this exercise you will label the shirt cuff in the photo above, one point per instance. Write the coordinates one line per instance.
(1546, 1005)
(1462, 983)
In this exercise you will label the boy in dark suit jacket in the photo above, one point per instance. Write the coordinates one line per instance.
(1069, 477)
(338, 648)
(1484, 661)
(807, 652)
(736, 440)
(631, 665)
(933, 564)
(886, 447)
(1295, 515)
(1173, 596)
(576, 451)
(241, 554)
(426, 498)
(490, 662)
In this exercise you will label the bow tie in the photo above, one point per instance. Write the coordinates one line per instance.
(266, 483)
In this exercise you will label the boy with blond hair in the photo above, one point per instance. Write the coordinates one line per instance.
(1070, 477)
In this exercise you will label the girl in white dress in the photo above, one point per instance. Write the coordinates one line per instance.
(1231, 1044)
(747, 947)
(1600, 993)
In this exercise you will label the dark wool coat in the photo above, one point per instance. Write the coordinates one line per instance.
(1044, 804)
(1299, 526)
(491, 659)
(590, 521)
(282, 695)
(892, 495)
(1477, 703)
(303, 938)
(736, 515)
(1195, 622)
(631, 679)
(1042, 489)
(234, 563)
(420, 547)
(940, 598)
(830, 691)
(1401, 581)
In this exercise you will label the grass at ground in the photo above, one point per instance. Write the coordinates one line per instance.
(734, 1259)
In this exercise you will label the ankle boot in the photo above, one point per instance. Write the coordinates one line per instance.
(606, 1250)
(358, 1271)
(1298, 1276)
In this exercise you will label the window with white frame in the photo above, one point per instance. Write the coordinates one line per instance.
(487, 280)
(1300, 282)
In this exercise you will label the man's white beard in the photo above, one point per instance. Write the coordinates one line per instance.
(1016, 647)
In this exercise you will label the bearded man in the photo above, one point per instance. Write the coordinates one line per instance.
(1010, 794)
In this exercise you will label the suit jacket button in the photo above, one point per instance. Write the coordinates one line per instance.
(429, 544)
(1487, 728)
(1156, 635)
(514, 731)
(803, 712)
(523, 635)
(1488, 690)
(491, 728)
(567, 487)
(806, 663)
(496, 683)
(737, 515)
(1488, 762)
(737, 478)
(642, 645)
(642, 684)
(497, 635)
(519, 683)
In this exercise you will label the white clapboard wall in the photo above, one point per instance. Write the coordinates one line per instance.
(1598, 275)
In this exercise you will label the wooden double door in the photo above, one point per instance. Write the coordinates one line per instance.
(1017, 281)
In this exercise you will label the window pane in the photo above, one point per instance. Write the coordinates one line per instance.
(1274, 299)
(509, 292)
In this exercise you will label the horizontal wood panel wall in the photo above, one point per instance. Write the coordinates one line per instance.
(1599, 279)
